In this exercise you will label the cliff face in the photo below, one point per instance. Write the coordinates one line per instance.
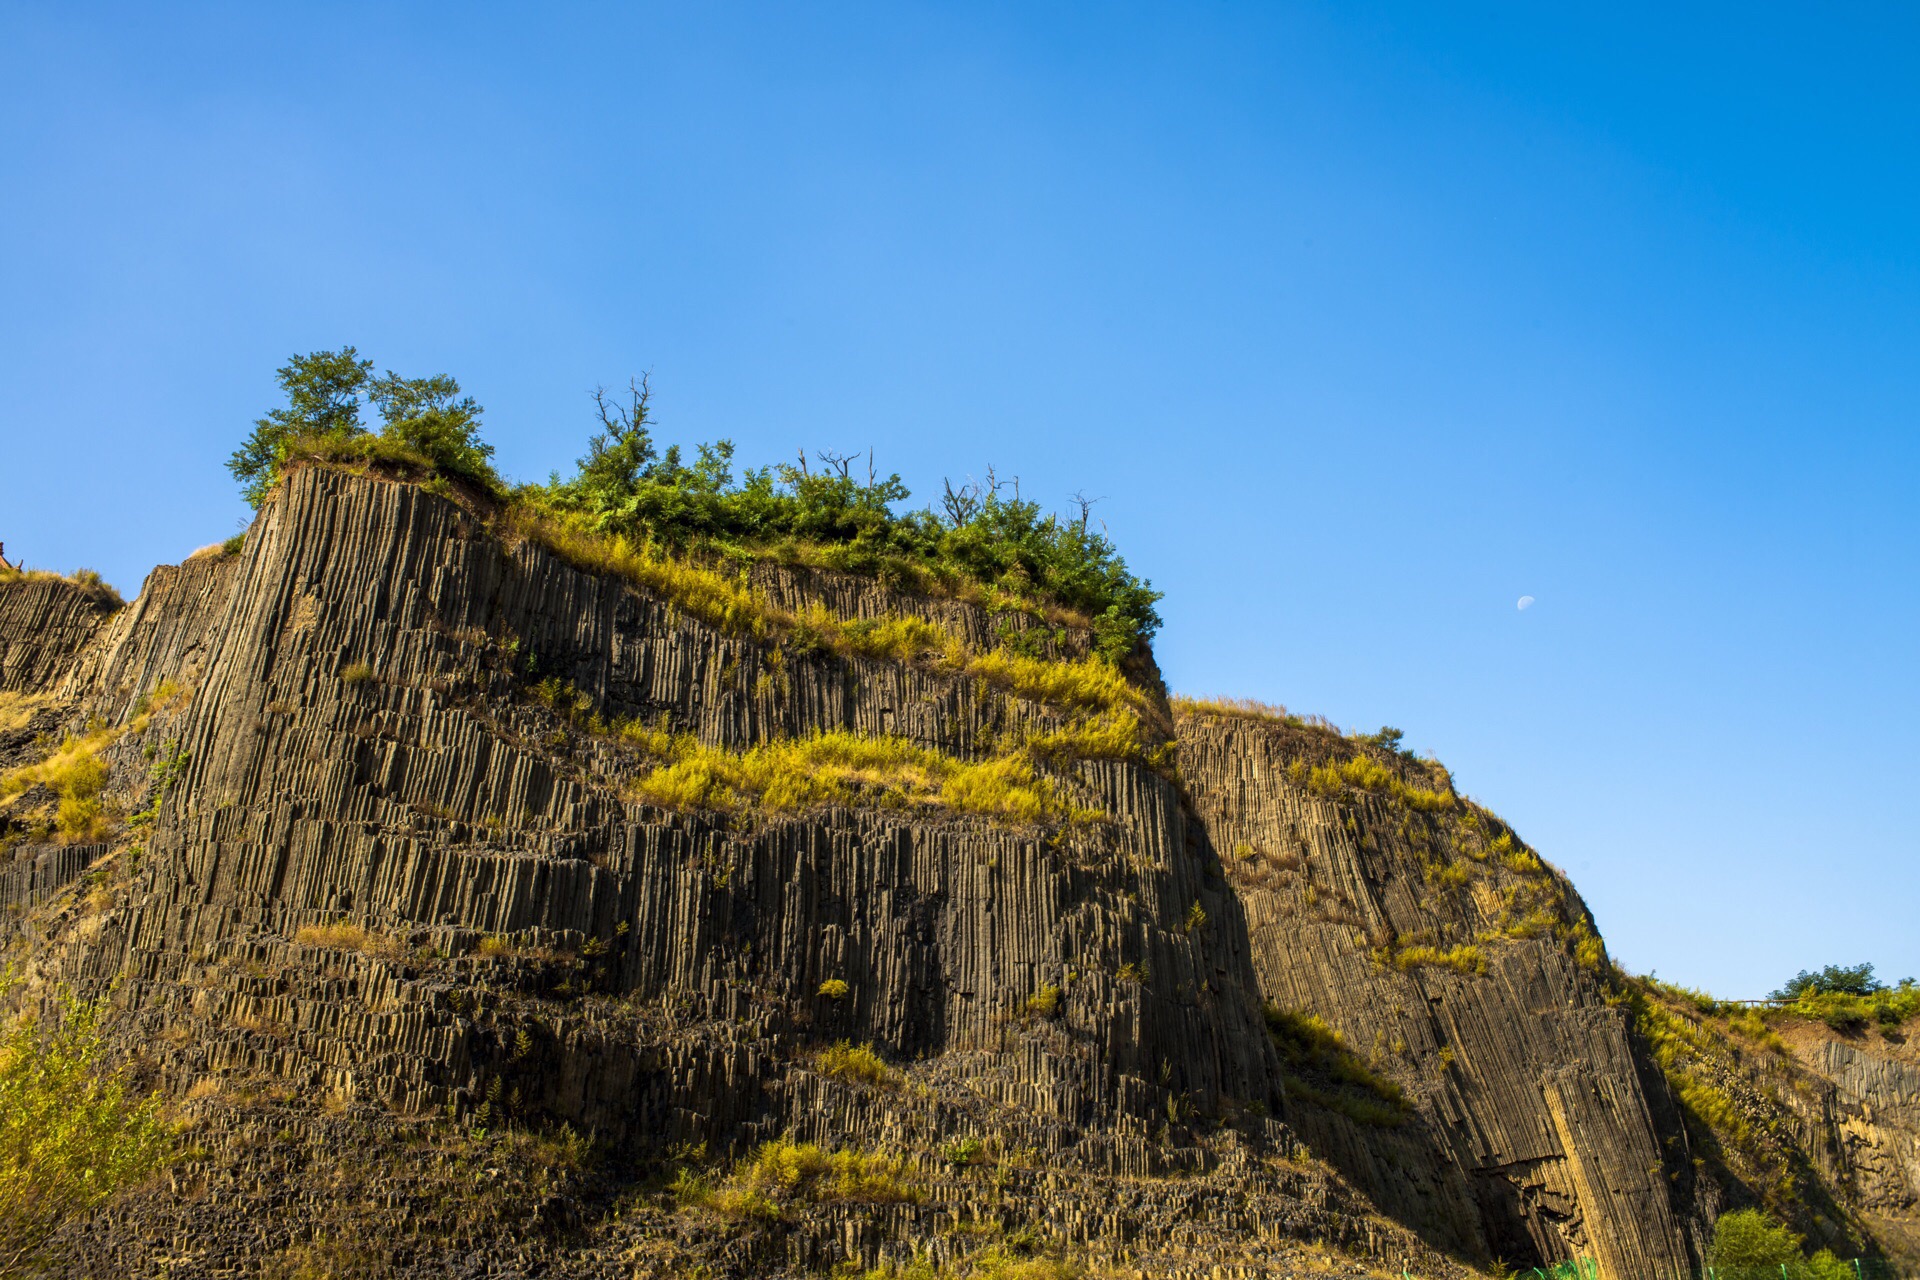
(385, 917)
(1530, 1136)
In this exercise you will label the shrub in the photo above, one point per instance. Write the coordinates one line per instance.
(356, 673)
(72, 1132)
(1857, 980)
(1044, 1003)
(835, 989)
(784, 1173)
(1749, 1244)
(625, 485)
(426, 423)
(848, 1061)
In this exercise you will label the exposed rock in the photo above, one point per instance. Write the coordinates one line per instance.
(394, 933)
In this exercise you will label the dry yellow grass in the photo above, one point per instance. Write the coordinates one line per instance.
(18, 709)
(344, 935)
(85, 579)
(727, 602)
(843, 768)
(77, 775)
(1247, 709)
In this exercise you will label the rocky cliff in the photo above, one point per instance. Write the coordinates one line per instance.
(437, 990)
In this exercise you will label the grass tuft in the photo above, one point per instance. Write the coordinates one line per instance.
(1465, 958)
(344, 935)
(848, 1061)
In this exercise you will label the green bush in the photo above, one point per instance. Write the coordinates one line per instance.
(627, 486)
(425, 421)
(1854, 980)
(1748, 1244)
(72, 1132)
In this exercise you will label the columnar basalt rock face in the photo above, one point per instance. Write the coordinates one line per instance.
(1530, 1135)
(363, 792)
(383, 912)
(45, 624)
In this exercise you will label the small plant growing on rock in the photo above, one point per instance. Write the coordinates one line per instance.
(784, 1174)
(963, 1152)
(1044, 1003)
(356, 673)
(848, 1061)
(835, 989)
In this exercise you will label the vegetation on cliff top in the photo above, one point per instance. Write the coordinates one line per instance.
(626, 487)
(87, 580)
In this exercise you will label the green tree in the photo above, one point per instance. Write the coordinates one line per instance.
(1852, 980)
(72, 1132)
(323, 399)
(431, 417)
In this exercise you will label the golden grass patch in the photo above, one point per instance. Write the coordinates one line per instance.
(845, 768)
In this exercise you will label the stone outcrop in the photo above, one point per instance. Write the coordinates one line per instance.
(389, 915)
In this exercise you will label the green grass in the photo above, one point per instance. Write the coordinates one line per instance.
(1322, 1070)
(784, 1176)
(77, 776)
(1465, 958)
(1364, 773)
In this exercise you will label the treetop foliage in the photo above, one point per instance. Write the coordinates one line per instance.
(984, 530)
(627, 485)
(1854, 980)
(423, 416)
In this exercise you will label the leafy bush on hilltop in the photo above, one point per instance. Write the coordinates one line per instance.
(626, 485)
(426, 422)
(1847, 998)
(668, 504)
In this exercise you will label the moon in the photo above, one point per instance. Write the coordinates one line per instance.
(1526, 603)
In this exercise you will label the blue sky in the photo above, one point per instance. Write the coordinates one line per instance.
(1361, 320)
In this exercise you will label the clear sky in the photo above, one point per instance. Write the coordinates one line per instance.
(1363, 321)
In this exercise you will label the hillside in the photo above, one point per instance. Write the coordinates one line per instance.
(486, 903)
